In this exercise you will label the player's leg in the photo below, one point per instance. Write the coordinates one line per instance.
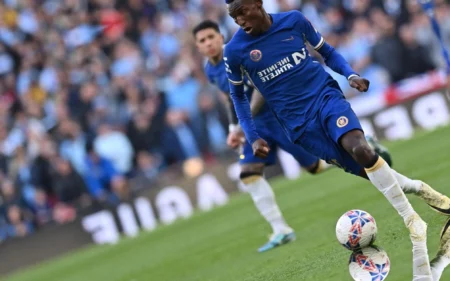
(364, 150)
(442, 259)
(343, 128)
(383, 177)
(252, 177)
(263, 196)
(433, 198)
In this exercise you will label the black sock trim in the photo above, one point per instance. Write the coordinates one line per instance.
(373, 162)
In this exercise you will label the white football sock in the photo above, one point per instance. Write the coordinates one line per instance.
(408, 185)
(438, 265)
(384, 179)
(423, 190)
(264, 199)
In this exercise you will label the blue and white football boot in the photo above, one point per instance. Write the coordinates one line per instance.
(278, 240)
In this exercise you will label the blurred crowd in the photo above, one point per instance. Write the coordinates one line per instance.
(98, 97)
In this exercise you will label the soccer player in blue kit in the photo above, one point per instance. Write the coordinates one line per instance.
(270, 50)
(210, 42)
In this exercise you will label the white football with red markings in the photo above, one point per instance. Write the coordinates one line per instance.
(356, 229)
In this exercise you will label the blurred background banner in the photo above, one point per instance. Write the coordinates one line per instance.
(108, 125)
(169, 200)
(416, 103)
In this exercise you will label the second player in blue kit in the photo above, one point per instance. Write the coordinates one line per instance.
(271, 50)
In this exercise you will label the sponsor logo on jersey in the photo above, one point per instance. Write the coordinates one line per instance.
(282, 66)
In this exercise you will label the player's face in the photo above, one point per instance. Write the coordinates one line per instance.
(248, 14)
(209, 42)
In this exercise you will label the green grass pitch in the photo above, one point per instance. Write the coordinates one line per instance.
(221, 245)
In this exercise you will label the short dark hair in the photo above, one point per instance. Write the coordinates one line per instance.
(205, 25)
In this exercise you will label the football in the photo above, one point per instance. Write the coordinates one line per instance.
(356, 229)
(368, 264)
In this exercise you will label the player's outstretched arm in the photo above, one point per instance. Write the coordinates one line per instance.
(336, 61)
(338, 64)
(332, 58)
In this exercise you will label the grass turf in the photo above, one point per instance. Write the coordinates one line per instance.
(221, 245)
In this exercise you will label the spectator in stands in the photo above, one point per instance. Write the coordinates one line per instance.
(19, 221)
(20, 169)
(106, 145)
(41, 169)
(214, 132)
(416, 58)
(63, 213)
(133, 97)
(147, 130)
(68, 186)
(356, 48)
(424, 33)
(148, 167)
(100, 177)
(73, 145)
(59, 115)
(4, 169)
(70, 191)
(140, 131)
(335, 19)
(388, 43)
(23, 192)
(10, 195)
(82, 104)
(163, 139)
(3, 228)
(183, 114)
(40, 206)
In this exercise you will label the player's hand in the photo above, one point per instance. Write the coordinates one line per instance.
(235, 139)
(260, 148)
(360, 84)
